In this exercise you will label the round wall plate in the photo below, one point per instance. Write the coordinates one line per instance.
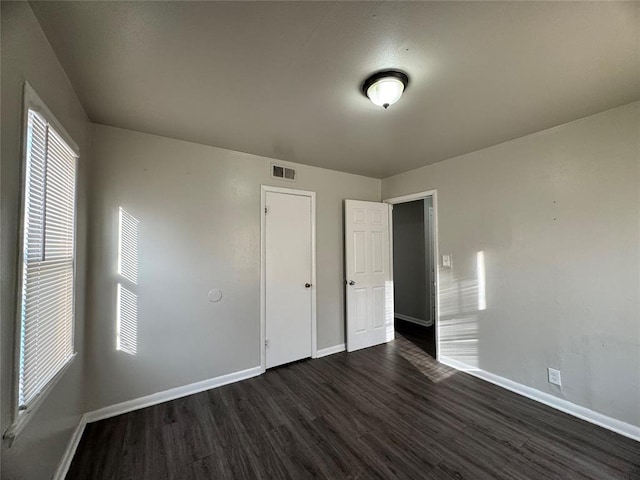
(215, 295)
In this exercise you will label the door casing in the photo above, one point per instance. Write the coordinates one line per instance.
(410, 198)
(263, 283)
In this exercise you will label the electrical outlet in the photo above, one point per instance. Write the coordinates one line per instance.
(554, 376)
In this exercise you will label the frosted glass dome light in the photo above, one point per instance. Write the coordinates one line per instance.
(385, 88)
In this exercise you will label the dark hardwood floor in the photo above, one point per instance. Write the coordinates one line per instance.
(388, 412)
(422, 337)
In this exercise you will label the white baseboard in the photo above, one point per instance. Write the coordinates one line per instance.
(418, 321)
(604, 421)
(330, 350)
(65, 463)
(171, 394)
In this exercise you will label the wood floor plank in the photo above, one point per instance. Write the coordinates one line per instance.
(387, 412)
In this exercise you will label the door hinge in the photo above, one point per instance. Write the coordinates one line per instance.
(266, 210)
(266, 344)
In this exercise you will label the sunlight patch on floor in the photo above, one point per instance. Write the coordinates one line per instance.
(422, 361)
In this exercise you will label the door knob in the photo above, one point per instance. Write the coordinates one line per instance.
(307, 285)
(351, 282)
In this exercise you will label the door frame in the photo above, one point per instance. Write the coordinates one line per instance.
(263, 274)
(434, 235)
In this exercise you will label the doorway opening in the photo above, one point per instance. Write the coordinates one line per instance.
(414, 268)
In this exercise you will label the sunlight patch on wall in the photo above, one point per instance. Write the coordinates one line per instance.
(127, 246)
(127, 327)
(127, 299)
(482, 289)
(458, 320)
(459, 339)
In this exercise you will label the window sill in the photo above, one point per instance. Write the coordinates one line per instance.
(22, 418)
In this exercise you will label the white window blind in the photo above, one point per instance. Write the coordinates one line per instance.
(47, 303)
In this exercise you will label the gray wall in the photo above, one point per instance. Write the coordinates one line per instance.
(199, 214)
(27, 56)
(409, 272)
(557, 216)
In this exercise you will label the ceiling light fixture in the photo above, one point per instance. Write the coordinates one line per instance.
(386, 87)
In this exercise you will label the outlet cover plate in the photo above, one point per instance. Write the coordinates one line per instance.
(554, 376)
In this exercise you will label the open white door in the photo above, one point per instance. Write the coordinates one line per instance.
(368, 269)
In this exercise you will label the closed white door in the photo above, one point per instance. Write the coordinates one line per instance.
(288, 278)
(369, 285)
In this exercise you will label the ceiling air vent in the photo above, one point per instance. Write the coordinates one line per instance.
(283, 173)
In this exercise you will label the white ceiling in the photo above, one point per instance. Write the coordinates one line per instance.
(282, 79)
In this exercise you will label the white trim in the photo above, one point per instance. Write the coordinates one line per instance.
(604, 421)
(417, 321)
(69, 453)
(323, 352)
(171, 394)
(263, 250)
(23, 417)
(410, 198)
(20, 418)
(34, 102)
(393, 285)
(436, 252)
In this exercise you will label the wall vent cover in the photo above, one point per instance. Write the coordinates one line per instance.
(283, 173)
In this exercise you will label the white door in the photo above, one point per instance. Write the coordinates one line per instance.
(288, 278)
(369, 285)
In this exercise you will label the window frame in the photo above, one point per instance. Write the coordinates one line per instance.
(31, 101)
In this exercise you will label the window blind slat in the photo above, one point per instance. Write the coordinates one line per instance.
(48, 300)
(48, 264)
(62, 178)
(60, 151)
(52, 341)
(48, 319)
(57, 140)
(45, 375)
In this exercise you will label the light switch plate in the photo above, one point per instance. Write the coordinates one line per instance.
(446, 261)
